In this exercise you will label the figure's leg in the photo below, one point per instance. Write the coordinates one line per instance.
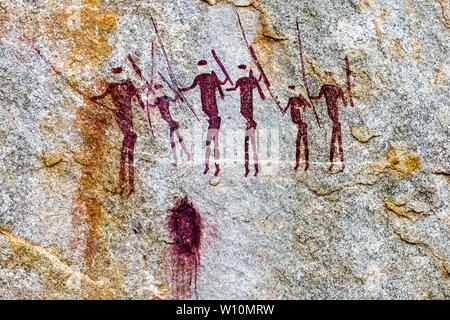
(183, 146)
(305, 144)
(123, 156)
(332, 147)
(341, 150)
(246, 158)
(297, 148)
(174, 150)
(208, 150)
(254, 149)
(132, 142)
(216, 151)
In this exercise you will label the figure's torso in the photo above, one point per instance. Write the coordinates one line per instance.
(246, 86)
(208, 86)
(296, 104)
(163, 105)
(121, 94)
(331, 93)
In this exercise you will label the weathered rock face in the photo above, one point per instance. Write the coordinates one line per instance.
(71, 225)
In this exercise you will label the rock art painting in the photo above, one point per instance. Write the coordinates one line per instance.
(196, 150)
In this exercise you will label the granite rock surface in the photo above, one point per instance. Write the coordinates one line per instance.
(71, 228)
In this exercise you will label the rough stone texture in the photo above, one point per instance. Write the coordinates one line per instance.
(379, 230)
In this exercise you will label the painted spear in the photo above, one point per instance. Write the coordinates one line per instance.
(304, 73)
(258, 64)
(174, 86)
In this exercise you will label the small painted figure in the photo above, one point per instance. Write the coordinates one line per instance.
(122, 94)
(296, 103)
(185, 227)
(162, 102)
(246, 85)
(332, 93)
(209, 84)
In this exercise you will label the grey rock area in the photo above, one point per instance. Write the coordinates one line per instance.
(378, 230)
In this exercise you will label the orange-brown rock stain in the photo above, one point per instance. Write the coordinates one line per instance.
(84, 29)
(402, 161)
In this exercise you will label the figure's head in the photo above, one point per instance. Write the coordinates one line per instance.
(242, 66)
(117, 70)
(292, 88)
(202, 63)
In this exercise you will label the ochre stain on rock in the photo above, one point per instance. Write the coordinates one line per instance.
(399, 209)
(401, 160)
(87, 49)
(51, 159)
(396, 48)
(60, 281)
(363, 4)
(362, 134)
(87, 27)
(444, 10)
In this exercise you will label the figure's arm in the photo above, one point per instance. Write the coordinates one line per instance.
(260, 77)
(141, 103)
(136, 92)
(219, 87)
(174, 99)
(194, 84)
(261, 93)
(288, 105)
(319, 96)
(306, 104)
(103, 95)
(234, 88)
(341, 93)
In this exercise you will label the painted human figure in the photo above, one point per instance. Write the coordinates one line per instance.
(122, 94)
(296, 103)
(209, 84)
(332, 93)
(247, 85)
(162, 102)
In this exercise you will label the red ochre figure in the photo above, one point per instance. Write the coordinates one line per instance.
(162, 102)
(332, 93)
(122, 94)
(209, 83)
(246, 86)
(296, 103)
(185, 227)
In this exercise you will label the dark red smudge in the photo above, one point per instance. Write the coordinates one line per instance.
(185, 227)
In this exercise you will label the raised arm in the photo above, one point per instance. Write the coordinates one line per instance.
(194, 84)
(288, 105)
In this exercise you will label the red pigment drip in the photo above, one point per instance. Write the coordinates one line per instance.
(185, 227)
